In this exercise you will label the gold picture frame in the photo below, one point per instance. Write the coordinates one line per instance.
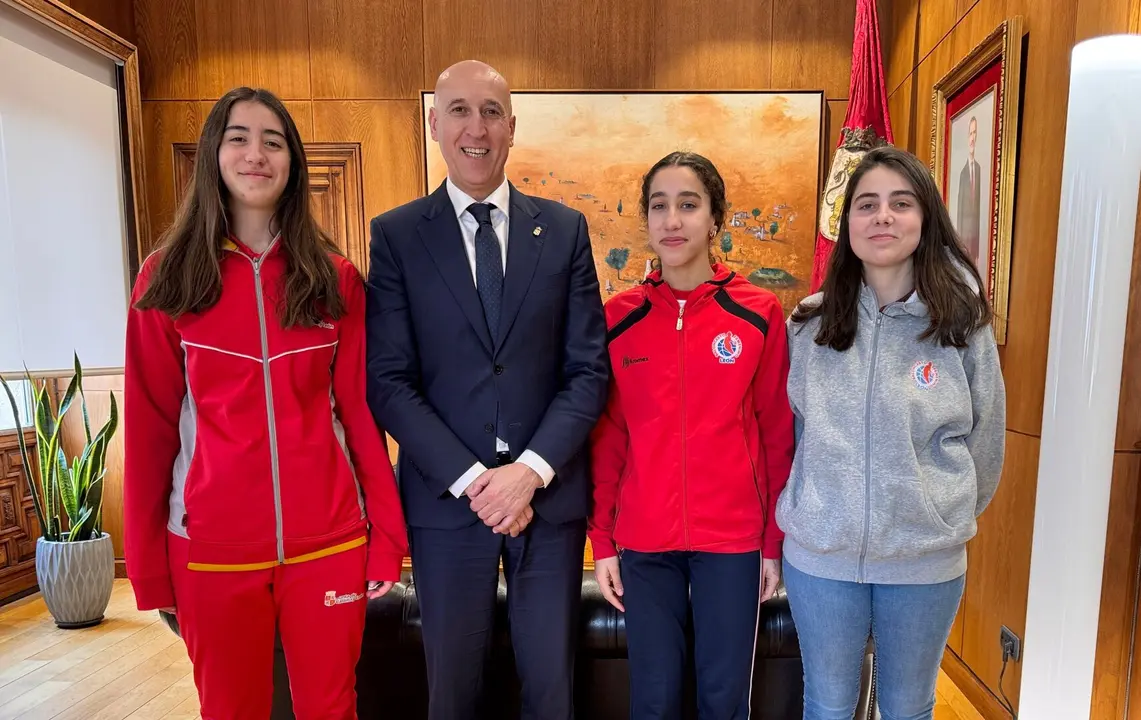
(976, 105)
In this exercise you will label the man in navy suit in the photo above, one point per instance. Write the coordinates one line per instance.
(487, 364)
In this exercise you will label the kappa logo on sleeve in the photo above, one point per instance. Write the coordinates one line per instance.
(332, 598)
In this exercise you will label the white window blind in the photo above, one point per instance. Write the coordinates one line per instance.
(63, 260)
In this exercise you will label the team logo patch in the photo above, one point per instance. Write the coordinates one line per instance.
(727, 348)
(925, 374)
(332, 598)
(326, 325)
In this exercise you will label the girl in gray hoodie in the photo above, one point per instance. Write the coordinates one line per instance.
(900, 413)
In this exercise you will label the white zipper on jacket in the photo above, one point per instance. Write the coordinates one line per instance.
(273, 456)
(868, 447)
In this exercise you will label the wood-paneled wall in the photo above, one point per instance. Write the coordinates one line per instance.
(118, 16)
(350, 71)
(927, 38)
(354, 69)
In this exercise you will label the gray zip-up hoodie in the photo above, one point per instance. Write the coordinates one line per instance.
(899, 448)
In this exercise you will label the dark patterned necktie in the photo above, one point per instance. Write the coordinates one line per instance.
(488, 266)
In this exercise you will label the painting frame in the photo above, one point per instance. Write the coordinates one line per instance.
(804, 218)
(989, 78)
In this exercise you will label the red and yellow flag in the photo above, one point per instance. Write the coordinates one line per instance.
(866, 125)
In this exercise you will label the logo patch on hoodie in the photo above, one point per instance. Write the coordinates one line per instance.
(727, 348)
(925, 374)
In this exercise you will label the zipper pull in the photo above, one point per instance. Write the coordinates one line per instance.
(680, 312)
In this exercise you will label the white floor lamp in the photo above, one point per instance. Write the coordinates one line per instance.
(1100, 178)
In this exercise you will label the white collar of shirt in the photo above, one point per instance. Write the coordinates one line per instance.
(469, 226)
(500, 198)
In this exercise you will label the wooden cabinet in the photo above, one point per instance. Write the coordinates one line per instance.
(18, 526)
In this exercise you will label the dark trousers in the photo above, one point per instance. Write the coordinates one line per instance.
(724, 591)
(457, 578)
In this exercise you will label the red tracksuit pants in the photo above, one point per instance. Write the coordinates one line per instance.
(228, 621)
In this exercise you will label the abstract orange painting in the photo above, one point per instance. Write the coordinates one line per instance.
(590, 150)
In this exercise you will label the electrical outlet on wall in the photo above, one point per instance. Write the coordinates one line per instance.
(1011, 644)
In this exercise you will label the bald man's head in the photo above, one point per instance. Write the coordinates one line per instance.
(472, 122)
(468, 72)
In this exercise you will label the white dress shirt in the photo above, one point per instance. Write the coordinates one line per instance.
(501, 199)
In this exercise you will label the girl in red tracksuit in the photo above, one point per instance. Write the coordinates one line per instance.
(259, 492)
(689, 458)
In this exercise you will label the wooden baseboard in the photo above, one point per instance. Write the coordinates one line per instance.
(20, 595)
(16, 585)
(120, 569)
(979, 694)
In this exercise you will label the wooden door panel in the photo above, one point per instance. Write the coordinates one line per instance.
(335, 191)
(18, 526)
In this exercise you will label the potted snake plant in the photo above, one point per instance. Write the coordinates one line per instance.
(75, 561)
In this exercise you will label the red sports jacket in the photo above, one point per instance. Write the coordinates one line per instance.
(696, 442)
(254, 442)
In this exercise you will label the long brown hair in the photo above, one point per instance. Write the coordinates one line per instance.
(188, 277)
(941, 267)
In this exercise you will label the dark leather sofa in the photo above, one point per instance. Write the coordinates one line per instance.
(391, 675)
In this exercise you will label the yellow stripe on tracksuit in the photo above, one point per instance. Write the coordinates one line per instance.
(219, 567)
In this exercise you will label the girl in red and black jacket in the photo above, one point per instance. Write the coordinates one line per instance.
(259, 493)
(693, 449)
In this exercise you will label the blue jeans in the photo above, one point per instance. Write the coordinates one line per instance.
(910, 624)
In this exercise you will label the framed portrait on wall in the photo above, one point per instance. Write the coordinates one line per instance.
(974, 154)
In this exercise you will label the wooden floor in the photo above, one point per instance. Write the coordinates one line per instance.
(950, 704)
(132, 666)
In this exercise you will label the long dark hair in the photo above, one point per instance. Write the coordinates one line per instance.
(710, 179)
(941, 267)
(188, 277)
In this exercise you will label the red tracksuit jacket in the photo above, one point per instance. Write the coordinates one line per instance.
(254, 442)
(696, 442)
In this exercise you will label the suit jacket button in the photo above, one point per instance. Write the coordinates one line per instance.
(498, 369)
(489, 428)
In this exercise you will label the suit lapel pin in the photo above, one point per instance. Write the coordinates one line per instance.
(537, 231)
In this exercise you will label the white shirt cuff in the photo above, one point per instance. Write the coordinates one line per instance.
(466, 479)
(532, 460)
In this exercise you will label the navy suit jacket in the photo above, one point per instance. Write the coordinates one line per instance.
(437, 377)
